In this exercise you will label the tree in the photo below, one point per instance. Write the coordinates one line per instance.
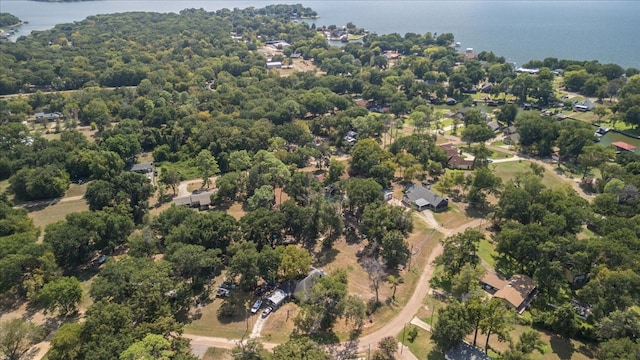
(484, 182)
(451, 327)
(17, 336)
(263, 197)
(620, 324)
(300, 348)
(594, 156)
(354, 311)
(171, 179)
(66, 343)
(295, 262)
(467, 281)
(100, 193)
(507, 113)
(619, 349)
(497, 320)
(477, 133)
(394, 282)
(375, 271)
(244, 263)
(251, 349)
(387, 348)
(207, 166)
(63, 294)
(336, 170)
(194, 262)
(362, 192)
(460, 249)
(366, 153)
(394, 250)
(46, 182)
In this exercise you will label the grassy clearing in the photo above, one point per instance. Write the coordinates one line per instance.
(4, 185)
(76, 190)
(508, 170)
(455, 216)
(279, 325)
(208, 323)
(57, 212)
(185, 168)
(422, 346)
(487, 252)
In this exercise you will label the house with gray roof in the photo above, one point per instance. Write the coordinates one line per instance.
(420, 198)
(303, 287)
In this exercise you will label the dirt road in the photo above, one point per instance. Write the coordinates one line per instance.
(199, 344)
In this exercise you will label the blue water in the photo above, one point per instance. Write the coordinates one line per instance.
(607, 31)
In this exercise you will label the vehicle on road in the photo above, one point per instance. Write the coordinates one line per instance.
(256, 306)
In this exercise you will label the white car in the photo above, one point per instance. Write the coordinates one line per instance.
(256, 306)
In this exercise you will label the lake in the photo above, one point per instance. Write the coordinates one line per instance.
(606, 31)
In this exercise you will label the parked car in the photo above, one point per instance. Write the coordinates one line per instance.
(256, 306)
(267, 311)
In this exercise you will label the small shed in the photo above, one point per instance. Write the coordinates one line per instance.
(274, 65)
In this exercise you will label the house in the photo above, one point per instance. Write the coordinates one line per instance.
(200, 200)
(454, 160)
(492, 282)
(465, 351)
(274, 65)
(451, 101)
(144, 168)
(584, 105)
(512, 139)
(518, 292)
(47, 116)
(486, 88)
(494, 125)
(623, 146)
(421, 198)
(303, 287)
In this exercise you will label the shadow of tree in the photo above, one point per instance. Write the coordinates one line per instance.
(325, 257)
(561, 347)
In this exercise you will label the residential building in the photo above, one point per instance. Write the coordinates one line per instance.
(421, 198)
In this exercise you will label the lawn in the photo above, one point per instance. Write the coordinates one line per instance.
(508, 170)
(487, 252)
(279, 325)
(455, 216)
(56, 212)
(208, 323)
(422, 346)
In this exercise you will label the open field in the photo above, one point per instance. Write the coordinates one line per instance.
(206, 321)
(508, 170)
(56, 212)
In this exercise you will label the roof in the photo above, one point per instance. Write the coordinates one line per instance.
(203, 199)
(494, 125)
(304, 286)
(517, 290)
(421, 195)
(494, 280)
(144, 167)
(278, 297)
(465, 351)
(623, 145)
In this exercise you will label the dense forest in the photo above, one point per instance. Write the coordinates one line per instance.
(193, 90)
